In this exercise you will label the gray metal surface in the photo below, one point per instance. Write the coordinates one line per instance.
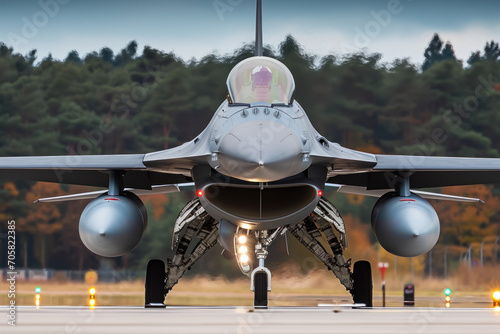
(208, 320)
(258, 30)
(424, 194)
(113, 225)
(405, 226)
(159, 189)
(75, 162)
(420, 163)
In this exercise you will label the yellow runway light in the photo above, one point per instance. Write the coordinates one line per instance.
(496, 298)
(37, 296)
(447, 298)
(92, 299)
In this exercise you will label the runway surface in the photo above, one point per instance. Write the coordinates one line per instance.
(330, 319)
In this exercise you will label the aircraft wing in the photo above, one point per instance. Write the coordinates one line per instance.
(142, 171)
(425, 172)
(160, 189)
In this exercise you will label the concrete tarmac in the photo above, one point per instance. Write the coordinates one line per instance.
(188, 319)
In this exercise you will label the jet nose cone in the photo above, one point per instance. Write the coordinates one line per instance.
(260, 151)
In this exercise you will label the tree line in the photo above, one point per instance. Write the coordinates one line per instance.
(138, 102)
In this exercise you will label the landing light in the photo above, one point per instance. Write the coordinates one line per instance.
(242, 239)
(243, 250)
(244, 259)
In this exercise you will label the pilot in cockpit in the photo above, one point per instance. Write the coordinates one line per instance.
(260, 79)
(261, 82)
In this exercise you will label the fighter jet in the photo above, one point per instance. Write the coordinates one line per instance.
(257, 171)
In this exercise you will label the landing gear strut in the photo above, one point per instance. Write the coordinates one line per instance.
(320, 225)
(194, 223)
(260, 277)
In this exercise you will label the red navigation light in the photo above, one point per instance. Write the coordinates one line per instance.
(320, 193)
(199, 193)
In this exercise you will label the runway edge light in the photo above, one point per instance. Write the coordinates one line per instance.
(447, 298)
(92, 299)
(496, 298)
(37, 296)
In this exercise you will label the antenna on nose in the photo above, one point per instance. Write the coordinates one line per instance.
(258, 30)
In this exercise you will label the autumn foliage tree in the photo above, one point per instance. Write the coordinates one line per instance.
(44, 219)
(469, 227)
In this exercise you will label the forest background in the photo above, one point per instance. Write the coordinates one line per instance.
(131, 102)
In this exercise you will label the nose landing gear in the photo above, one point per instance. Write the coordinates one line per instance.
(260, 278)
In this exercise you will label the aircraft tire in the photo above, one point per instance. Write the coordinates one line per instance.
(260, 293)
(363, 284)
(155, 284)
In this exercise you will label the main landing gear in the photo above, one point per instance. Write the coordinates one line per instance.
(320, 227)
(155, 284)
(362, 292)
(193, 223)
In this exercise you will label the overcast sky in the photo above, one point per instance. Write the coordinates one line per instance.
(194, 28)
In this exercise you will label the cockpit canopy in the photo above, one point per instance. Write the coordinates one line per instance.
(261, 79)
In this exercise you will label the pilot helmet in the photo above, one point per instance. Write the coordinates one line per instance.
(261, 77)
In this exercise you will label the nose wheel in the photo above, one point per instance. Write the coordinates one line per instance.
(260, 294)
(261, 285)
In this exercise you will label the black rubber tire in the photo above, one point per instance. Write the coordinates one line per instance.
(260, 293)
(155, 284)
(363, 284)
